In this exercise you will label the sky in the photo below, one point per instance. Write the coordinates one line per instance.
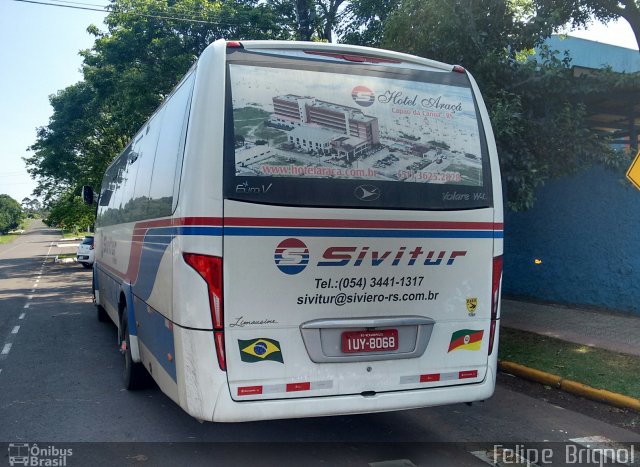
(39, 48)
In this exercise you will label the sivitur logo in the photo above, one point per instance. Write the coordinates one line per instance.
(291, 256)
(363, 96)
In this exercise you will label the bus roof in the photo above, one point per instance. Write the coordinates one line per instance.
(343, 49)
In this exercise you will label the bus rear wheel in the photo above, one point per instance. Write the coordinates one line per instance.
(134, 375)
(101, 313)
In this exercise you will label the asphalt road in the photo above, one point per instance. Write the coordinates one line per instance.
(60, 388)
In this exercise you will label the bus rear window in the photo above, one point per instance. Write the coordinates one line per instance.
(318, 133)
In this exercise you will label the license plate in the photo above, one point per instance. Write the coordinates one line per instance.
(370, 341)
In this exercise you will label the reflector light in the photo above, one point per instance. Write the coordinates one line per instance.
(430, 378)
(468, 374)
(495, 298)
(249, 390)
(298, 387)
(218, 337)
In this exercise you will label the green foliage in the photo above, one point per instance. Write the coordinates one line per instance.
(148, 46)
(363, 21)
(10, 214)
(536, 105)
(69, 212)
(581, 12)
(31, 207)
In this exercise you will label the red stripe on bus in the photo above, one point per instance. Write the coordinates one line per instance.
(208, 221)
(140, 230)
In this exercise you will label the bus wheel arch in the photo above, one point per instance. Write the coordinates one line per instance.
(134, 375)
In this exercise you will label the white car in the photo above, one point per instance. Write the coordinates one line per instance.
(85, 252)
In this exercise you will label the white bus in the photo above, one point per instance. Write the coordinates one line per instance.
(307, 229)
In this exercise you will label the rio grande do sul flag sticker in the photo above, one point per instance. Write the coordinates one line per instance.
(466, 339)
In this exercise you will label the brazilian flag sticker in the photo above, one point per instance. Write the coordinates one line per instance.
(258, 350)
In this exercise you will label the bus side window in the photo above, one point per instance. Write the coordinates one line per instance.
(130, 168)
(169, 151)
(113, 180)
(105, 197)
(146, 153)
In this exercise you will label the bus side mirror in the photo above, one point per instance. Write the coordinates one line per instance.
(87, 195)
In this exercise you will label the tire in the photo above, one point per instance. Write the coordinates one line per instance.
(101, 313)
(134, 374)
(87, 265)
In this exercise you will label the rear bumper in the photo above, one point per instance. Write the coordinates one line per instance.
(227, 410)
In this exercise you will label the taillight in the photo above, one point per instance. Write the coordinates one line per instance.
(210, 269)
(352, 57)
(496, 277)
(459, 69)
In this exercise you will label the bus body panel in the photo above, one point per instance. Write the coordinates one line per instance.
(353, 254)
(227, 410)
(399, 270)
(203, 392)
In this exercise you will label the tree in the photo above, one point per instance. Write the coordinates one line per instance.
(318, 19)
(10, 214)
(363, 21)
(69, 212)
(30, 206)
(148, 46)
(581, 12)
(535, 106)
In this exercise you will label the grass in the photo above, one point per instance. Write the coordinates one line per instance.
(24, 225)
(8, 238)
(66, 255)
(74, 234)
(273, 135)
(598, 368)
(247, 118)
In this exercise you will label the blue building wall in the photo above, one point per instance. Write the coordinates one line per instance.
(586, 231)
(591, 54)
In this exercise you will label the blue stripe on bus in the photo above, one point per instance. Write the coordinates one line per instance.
(211, 231)
(153, 249)
(157, 240)
(395, 233)
(156, 336)
(131, 318)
